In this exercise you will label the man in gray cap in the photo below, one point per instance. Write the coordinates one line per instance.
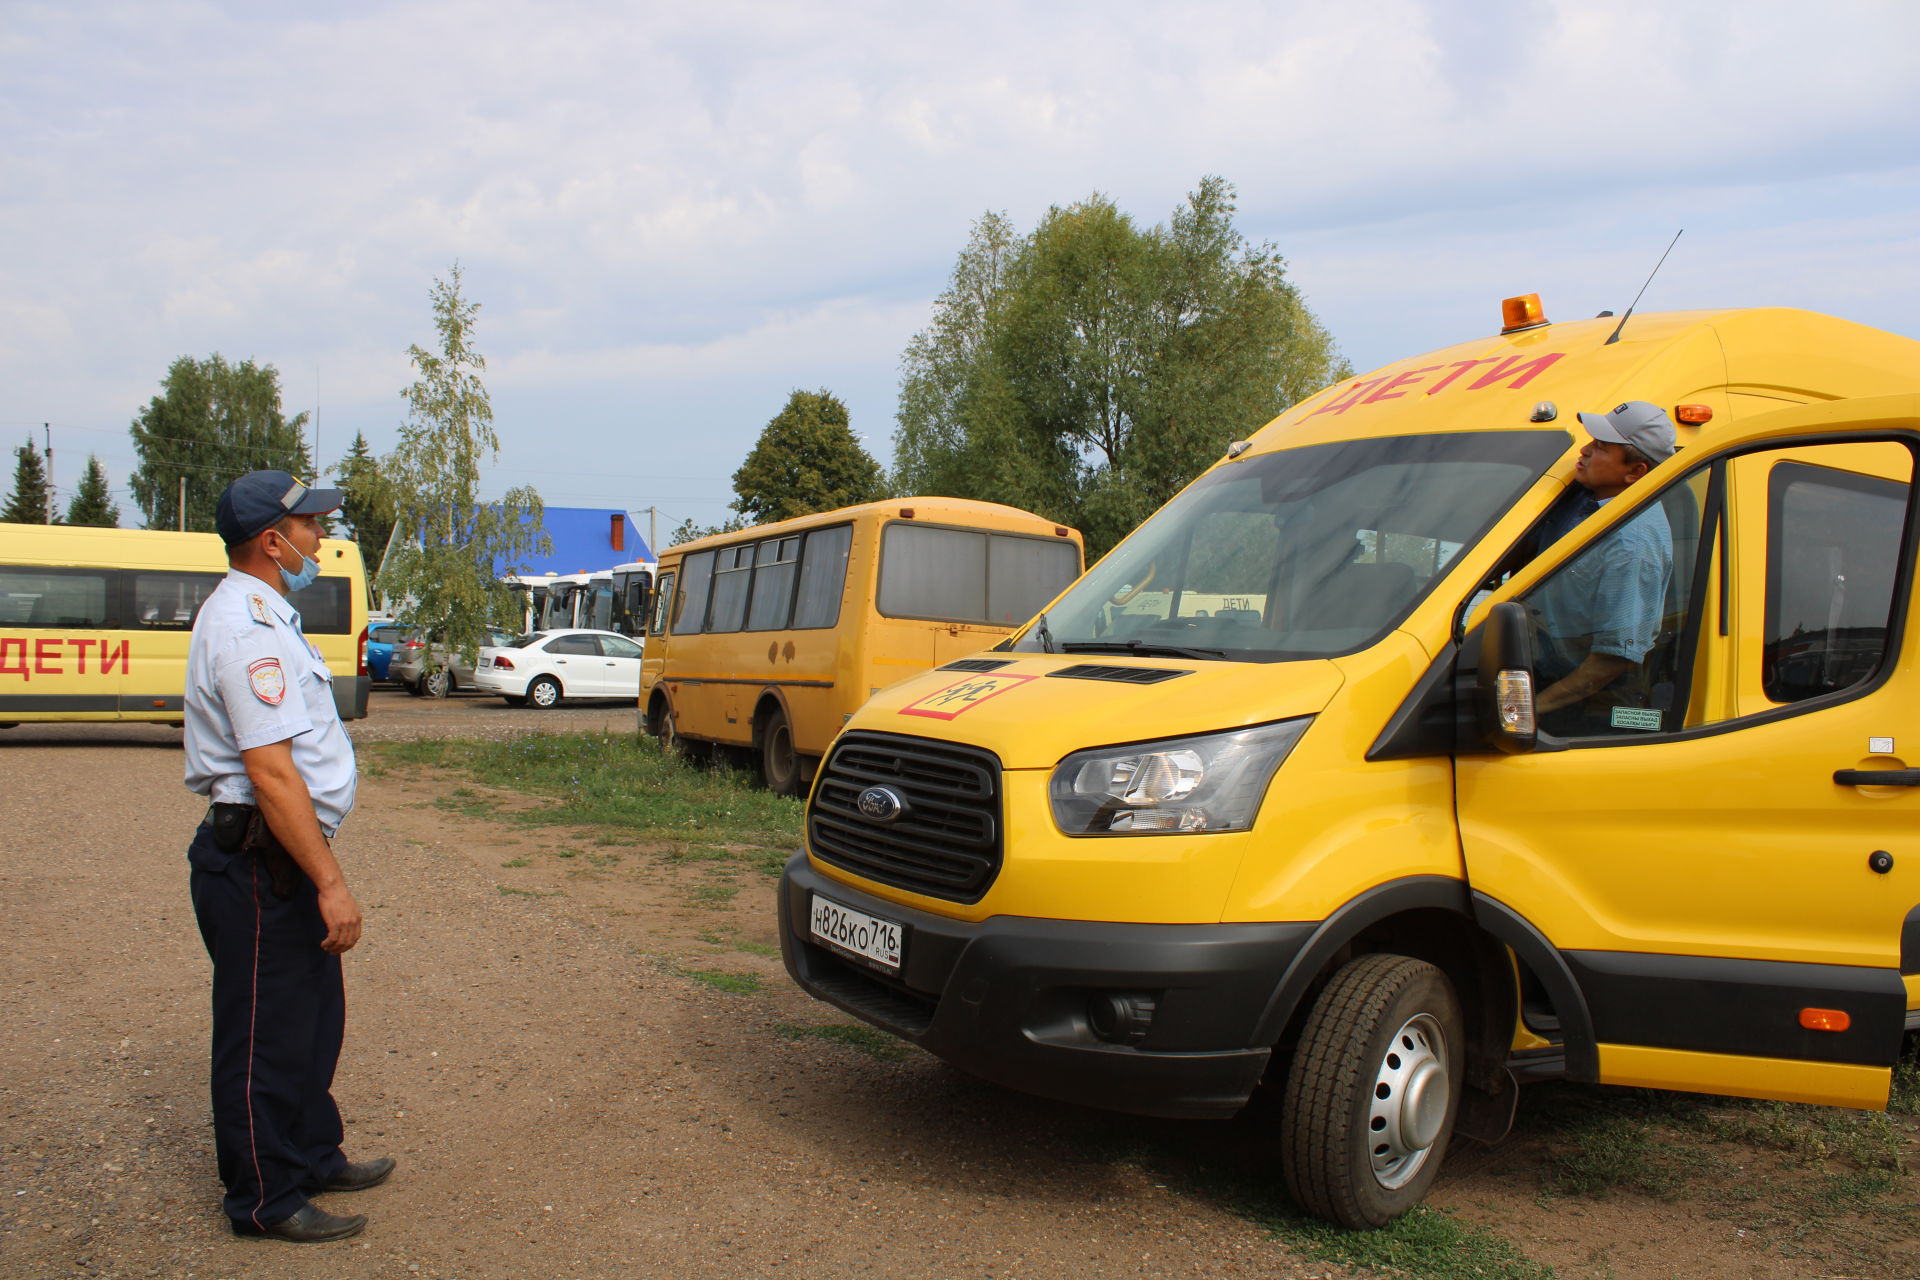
(1596, 618)
(264, 743)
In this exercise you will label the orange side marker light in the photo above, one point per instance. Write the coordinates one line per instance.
(1693, 414)
(1825, 1019)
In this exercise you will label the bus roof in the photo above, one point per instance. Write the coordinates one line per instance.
(1738, 362)
(934, 510)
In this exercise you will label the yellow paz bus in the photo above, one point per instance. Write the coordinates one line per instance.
(770, 637)
(94, 623)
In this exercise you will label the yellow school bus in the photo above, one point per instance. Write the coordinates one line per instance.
(94, 623)
(769, 638)
(1269, 803)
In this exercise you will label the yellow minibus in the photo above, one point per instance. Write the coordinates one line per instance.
(770, 637)
(94, 623)
(1274, 801)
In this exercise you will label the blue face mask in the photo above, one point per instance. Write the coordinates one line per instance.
(309, 570)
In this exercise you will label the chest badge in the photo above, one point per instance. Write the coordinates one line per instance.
(268, 680)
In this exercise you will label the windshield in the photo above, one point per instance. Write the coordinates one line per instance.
(1305, 553)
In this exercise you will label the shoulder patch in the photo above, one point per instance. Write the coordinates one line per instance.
(268, 680)
(257, 606)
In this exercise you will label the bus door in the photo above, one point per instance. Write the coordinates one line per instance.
(1712, 865)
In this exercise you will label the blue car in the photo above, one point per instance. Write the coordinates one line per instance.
(380, 645)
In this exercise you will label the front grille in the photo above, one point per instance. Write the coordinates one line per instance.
(946, 841)
(1123, 675)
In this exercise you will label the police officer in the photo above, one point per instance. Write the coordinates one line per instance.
(265, 744)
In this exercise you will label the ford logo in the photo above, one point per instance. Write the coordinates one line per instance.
(880, 804)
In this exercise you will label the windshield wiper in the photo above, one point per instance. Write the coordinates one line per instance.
(1139, 649)
(1046, 636)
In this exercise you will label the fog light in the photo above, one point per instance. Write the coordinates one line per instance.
(1120, 1017)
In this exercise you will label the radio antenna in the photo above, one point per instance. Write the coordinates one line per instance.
(1643, 288)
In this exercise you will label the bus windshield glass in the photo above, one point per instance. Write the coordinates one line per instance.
(1302, 553)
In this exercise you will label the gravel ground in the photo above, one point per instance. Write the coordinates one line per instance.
(566, 1097)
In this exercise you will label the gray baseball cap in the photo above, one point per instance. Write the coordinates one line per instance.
(1644, 426)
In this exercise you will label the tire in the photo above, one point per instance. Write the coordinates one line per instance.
(666, 731)
(438, 684)
(544, 693)
(778, 763)
(1373, 1092)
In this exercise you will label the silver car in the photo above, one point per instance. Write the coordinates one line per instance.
(451, 670)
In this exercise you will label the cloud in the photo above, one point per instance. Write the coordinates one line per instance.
(705, 197)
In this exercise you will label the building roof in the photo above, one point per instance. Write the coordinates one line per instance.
(584, 540)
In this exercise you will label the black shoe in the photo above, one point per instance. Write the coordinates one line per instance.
(308, 1226)
(358, 1177)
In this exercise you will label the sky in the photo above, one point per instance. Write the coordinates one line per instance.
(673, 216)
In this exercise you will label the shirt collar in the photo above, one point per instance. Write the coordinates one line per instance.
(282, 607)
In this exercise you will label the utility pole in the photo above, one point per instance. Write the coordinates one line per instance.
(183, 504)
(653, 531)
(52, 507)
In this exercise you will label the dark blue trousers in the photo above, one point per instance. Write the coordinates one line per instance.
(279, 1012)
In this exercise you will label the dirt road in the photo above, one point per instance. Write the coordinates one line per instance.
(590, 1064)
(542, 1048)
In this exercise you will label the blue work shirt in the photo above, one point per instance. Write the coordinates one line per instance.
(1609, 600)
(254, 679)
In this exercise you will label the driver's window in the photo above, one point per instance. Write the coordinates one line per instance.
(1615, 630)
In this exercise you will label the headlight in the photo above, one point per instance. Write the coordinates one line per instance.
(1210, 783)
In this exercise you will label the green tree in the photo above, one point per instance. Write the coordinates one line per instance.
(27, 504)
(688, 531)
(92, 502)
(806, 460)
(211, 423)
(1090, 369)
(442, 566)
(368, 508)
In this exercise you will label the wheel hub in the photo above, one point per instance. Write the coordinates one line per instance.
(1411, 1091)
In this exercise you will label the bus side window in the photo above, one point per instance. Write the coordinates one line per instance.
(690, 613)
(662, 599)
(33, 597)
(171, 601)
(823, 577)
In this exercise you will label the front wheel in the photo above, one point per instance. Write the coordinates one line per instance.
(544, 693)
(439, 684)
(1373, 1091)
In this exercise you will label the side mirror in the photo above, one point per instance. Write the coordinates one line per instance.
(637, 596)
(1503, 691)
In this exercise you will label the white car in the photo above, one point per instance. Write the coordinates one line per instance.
(547, 666)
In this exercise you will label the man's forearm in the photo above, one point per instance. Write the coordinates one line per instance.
(1595, 672)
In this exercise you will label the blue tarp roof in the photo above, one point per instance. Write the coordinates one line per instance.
(583, 542)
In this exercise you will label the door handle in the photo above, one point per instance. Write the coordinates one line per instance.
(1877, 777)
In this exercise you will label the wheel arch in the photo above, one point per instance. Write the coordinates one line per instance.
(1532, 949)
(1426, 918)
(770, 698)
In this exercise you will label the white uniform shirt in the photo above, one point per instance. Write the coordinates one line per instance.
(254, 679)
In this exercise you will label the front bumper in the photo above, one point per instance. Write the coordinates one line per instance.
(1006, 998)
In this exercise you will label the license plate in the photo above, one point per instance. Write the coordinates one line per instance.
(856, 933)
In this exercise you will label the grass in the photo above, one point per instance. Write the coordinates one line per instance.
(739, 984)
(873, 1042)
(621, 783)
(731, 940)
(1426, 1244)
